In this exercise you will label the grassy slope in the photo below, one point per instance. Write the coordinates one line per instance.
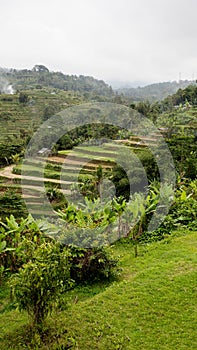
(153, 306)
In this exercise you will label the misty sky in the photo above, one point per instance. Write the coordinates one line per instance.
(142, 40)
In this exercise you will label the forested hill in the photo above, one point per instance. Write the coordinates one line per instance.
(155, 92)
(183, 96)
(40, 77)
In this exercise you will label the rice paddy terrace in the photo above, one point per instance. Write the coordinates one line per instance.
(19, 121)
(65, 171)
(62, 171)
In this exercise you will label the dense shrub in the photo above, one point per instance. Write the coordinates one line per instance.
(18, 242)
(8, 150)
(182, 214)
(53, 193)
(91, 265)
(23, 97)
(40, 283)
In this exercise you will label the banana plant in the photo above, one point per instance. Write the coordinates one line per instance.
(134, 216)
(119, 205)
(17, 241)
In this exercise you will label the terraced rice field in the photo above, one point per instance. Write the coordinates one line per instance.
(63, 171)
(17, 119)
(66, 169)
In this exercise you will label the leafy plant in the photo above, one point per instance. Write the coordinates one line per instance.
(182, 213)
(90, 265)
(18, 240)
(54, 194)
(41, 281)
(12, 203)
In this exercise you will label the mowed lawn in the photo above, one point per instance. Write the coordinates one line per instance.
(153, 305)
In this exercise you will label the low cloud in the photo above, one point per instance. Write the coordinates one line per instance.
(6, 87)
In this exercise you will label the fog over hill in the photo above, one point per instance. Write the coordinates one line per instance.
(155, 92)
(41, 77)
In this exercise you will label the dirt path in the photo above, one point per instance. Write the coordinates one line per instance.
(7, 172)
(75, 164)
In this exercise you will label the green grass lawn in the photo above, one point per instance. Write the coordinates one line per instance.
(151, 307)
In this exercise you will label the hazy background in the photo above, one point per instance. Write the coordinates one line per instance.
(140, 41)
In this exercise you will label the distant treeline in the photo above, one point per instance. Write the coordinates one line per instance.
(40, 77)
(155, 92)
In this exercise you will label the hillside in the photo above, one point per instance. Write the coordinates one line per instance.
(17, 118)
(20, 120)
(40, 77)
(151, 306)
(155, 92)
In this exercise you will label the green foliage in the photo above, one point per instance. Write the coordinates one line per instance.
(184, 151)
(120, 179)
(50, 111)
(54, 194)
(182, 214)
(183, 96)
(91, 132)
(152, 305)
(99, 173)
(92, 265)
(40, 77)
(149, 164)
(154, 92)
(133, 218)
(12, 203)
(16, 158)
(8, 151)
(40, 68)
(46, 267)
(41, 281)
(90, 214)
(87, 187)
(98, 222)
(18, 242)
(90, 185)
(132, 181)
(143, 108)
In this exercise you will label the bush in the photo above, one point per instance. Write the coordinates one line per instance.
(91, 265)
(54, 194)
(16, 171)
(182, 214)
(18, 242)
(23, 97)
(40, 283)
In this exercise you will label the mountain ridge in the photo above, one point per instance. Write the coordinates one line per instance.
(155, 91)
(40, 77)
